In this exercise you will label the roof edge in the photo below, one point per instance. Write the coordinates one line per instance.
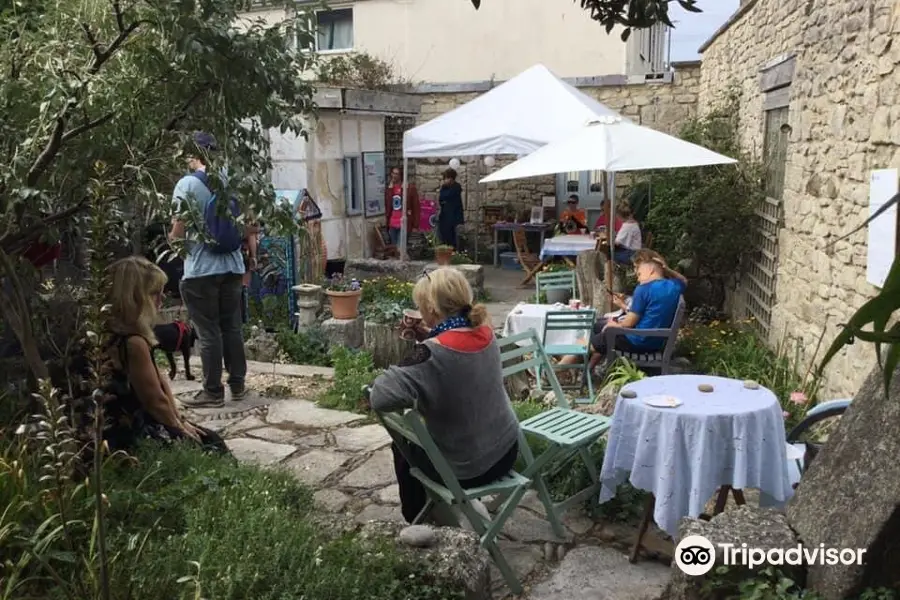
(740, 12)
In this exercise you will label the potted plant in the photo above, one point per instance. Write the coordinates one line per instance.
(443, 254)
(343, 295)
(554, 296)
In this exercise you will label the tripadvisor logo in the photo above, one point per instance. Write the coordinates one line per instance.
(695, 555)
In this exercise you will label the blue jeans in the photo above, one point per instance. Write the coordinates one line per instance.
(623, 256)
(394, 232)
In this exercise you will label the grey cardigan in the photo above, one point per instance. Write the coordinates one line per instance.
(462, 398)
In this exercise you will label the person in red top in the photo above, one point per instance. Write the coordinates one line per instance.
(393, 205)
(603, 220)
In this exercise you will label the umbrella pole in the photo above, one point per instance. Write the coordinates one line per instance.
(611, 235)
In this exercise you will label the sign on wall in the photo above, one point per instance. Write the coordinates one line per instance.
(882, 242)
(373, 183)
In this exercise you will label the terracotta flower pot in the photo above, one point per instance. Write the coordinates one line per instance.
(443, 255)
(344, 305)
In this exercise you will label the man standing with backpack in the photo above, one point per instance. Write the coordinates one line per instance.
(213, 270)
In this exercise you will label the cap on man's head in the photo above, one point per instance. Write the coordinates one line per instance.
(573, 199)
(205, 141)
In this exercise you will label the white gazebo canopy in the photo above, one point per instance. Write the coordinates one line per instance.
(518, 116)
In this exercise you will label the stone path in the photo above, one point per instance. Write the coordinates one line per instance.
(346, 459)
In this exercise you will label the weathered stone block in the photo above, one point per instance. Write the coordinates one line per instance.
(345, 332)
(474, 275)
(849, 496)
(371, 268)
(385, 345)
(751, 525)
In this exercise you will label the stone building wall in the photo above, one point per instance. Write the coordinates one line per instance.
(843, 122)
(664, 106)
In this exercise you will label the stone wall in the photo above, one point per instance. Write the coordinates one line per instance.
(664, 106)
(843, 123)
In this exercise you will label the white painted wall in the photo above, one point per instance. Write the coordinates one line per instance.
(442, 41)
(318, 165)
(447, 41)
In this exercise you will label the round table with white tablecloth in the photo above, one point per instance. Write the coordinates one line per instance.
(733, 436)
(533, 316)
(567, 245)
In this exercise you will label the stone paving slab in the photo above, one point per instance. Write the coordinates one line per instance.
(274, 434)
(601, 573)
(331, 500)
(305, 414)
(375, 512)
(290, 370)
(376, 472)
(259, 452)
(362, 439)
(316, 465)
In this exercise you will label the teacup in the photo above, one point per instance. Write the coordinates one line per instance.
(574, 304)
(409, 324)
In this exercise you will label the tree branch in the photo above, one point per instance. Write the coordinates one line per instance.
(9, 243)
(101, 55)
(185, 107)
(76, 131)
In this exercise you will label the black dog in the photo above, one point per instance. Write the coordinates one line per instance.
(176, 337)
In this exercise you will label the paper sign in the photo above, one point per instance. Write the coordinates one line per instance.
(548, 201)
(882, 243)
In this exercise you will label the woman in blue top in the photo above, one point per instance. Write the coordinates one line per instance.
(653, 306)
(451, 208)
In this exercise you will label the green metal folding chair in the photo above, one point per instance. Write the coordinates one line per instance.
(410, 428)
(580, 323)
(556, 280)
(568, 434)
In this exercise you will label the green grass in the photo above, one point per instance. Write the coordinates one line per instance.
(182, 524)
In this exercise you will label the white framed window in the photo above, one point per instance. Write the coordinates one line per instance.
(334, 30)
(353, 185)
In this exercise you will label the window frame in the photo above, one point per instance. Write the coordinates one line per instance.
(315, 18)
(353, 185)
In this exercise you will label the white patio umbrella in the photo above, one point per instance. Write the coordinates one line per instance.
(610, 144)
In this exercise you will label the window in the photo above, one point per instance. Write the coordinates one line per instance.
(334, 30)
(353, 188)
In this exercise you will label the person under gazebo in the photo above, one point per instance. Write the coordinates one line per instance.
(572, 218)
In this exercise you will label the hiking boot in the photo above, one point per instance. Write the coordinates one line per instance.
(239, 393)
(204, 399)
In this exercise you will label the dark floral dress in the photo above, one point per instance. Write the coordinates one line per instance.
(127, 422)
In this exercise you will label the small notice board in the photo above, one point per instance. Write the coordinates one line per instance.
(882, 242)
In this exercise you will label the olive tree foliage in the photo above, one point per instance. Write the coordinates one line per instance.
(629, 14)
(98, 102)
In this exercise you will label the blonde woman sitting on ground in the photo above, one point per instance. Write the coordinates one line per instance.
(139, 401)
(455, 380)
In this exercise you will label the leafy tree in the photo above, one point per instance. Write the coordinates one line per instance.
(630, 14)
(98, 100)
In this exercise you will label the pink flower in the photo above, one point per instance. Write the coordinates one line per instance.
(786, 414)
(799, 398)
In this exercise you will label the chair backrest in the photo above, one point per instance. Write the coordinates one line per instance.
(672, 340)
(524, 351)
(556, 280)
(409, 427)
(570, 320)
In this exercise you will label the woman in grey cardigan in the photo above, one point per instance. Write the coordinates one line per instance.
(455, 380)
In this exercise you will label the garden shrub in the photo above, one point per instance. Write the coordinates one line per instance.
(353, 370)
(699, 216)
(309, 346)
(384, 300)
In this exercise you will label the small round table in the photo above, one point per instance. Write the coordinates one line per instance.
(732, 437)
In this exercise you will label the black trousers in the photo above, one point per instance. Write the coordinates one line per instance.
(447, 234)
(413, 495)
(598, 340)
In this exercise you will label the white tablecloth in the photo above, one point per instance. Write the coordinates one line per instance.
(567, 245)
(731, 436)
(532, 316)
